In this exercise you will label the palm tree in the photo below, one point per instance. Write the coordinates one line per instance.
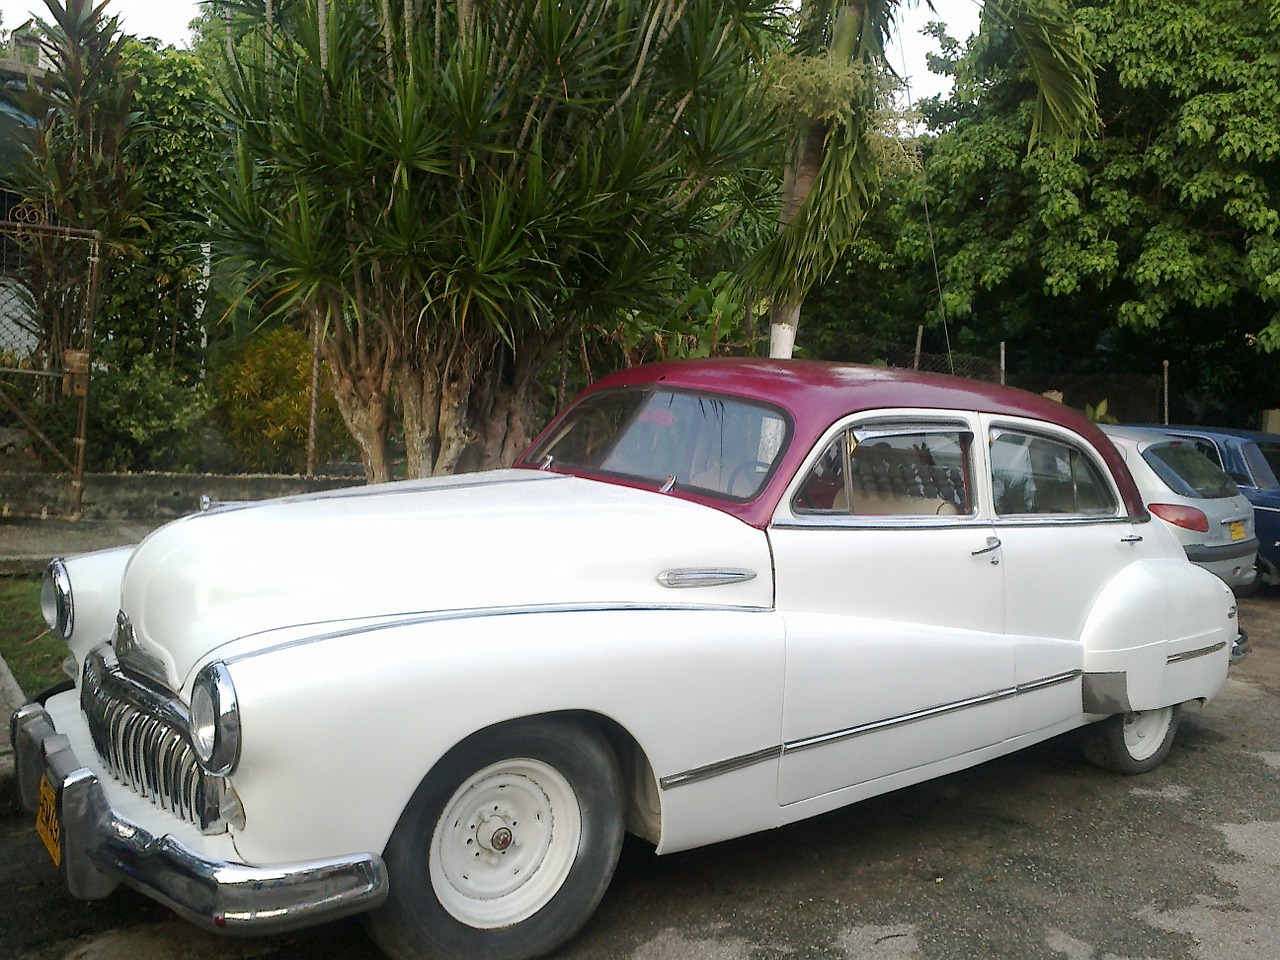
(836, 160)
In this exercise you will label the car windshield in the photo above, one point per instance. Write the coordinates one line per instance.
(1187, 471)
(717, 445)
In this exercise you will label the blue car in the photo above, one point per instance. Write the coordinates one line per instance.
(1252, 460)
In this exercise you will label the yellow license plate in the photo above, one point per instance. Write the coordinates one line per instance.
(47, 823)
(1237, 530)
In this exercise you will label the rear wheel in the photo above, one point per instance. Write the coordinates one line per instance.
(506, 848)
(1131, 743)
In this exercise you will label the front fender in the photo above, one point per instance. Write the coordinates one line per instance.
(1159, 634)
(95, 591)
(338, 731)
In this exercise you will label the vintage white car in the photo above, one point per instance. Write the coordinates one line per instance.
(713, 598)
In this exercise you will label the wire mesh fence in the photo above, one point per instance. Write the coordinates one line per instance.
(48, 280)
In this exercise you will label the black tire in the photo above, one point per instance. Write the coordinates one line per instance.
(438, 909)
(1131, 743)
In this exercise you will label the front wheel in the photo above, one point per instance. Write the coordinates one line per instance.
(506, 848)
(1131, 743)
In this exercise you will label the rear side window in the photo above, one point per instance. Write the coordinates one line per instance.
(1188, 472)
(891, 472)
(1038, 475)
(1269, 454)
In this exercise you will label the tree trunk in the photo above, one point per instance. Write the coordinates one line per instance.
(784, 318)
(784, 313)
(363, 404)
(419, 392)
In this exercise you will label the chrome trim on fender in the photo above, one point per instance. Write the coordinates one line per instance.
(684, 577)
(722, 766)
(442, 616)
(710, 770)
(101, 849)
(1193, 654)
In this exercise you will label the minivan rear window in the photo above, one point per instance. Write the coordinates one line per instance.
(1187, 471)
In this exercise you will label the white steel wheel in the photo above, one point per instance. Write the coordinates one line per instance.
(506, 847)
(505, 843)
(1145, 732)
(1131, 743)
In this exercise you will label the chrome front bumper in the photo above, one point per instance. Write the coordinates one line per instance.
(101, 849)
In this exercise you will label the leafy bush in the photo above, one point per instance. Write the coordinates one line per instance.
(263, 401)
(145, 417)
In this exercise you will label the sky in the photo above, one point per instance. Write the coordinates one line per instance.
(168, 19)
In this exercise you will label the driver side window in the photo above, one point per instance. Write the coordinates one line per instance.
(920, 472)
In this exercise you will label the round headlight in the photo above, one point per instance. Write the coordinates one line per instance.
(215, 720)
(55, 599)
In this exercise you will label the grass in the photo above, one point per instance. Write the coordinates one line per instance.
(33, 654)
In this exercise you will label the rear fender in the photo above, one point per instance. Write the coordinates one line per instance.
(1159, 634)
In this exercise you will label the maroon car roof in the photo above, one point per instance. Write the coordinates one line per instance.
(817, 393)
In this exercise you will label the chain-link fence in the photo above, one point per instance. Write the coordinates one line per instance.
(48, 284)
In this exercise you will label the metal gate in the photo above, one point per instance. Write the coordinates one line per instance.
(48, 292)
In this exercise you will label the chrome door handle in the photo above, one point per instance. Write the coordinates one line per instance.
(993, 543)
(1131, 538)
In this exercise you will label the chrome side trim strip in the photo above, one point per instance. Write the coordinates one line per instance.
(704, 577)
(1193, 654)
(698, 774)
(441, 616)
(1065, 677)
(710, 770)
(836, 736)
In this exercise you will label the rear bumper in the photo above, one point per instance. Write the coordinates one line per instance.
(101, 849)
(1241, 549)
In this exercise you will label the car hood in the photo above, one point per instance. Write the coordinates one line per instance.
(508, 539)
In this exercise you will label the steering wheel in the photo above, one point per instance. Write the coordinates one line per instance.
(760, 466)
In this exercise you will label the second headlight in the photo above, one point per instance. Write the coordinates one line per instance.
(215, 720)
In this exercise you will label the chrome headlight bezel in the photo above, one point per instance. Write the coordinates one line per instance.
(56, 602)
(215, 720)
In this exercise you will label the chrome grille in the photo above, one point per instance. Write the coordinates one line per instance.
(140, 733)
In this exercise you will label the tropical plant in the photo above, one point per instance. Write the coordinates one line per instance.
(75, 172)
(836, 86)
(452, 194)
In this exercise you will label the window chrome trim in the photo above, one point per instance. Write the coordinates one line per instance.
(914, 419)
(850, 521)
(1063, 520)
(707, 771)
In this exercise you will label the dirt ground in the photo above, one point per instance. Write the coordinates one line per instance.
(1037, 855)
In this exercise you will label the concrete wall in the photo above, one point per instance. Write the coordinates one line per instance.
(149, 496)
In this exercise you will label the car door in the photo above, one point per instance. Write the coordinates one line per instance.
(1063, 536)
(890, 582)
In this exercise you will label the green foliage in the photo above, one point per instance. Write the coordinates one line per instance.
(145, 417)
(263, 400)
(33, 653)
(152, 297)
(1099, 414)
(1157, 240)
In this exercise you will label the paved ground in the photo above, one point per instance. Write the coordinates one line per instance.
(1033, 856)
